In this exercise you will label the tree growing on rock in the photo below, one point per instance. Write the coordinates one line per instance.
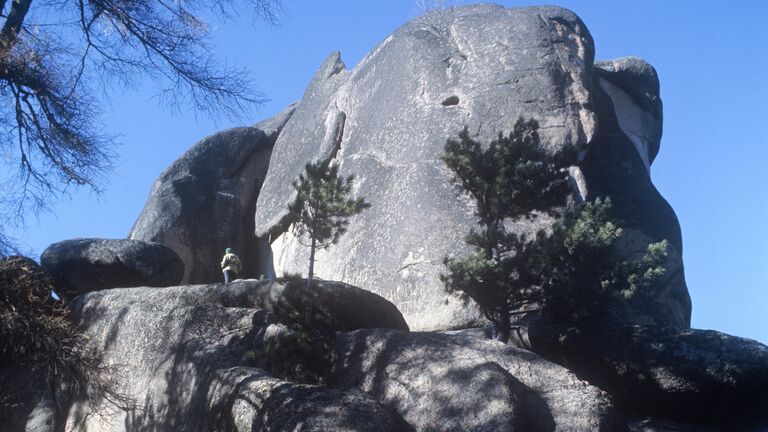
(511, 179)
(569, 268)
(320, 214)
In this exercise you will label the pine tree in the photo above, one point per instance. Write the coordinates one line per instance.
(570, 270)
(322, 209)
(511, 179)
(584, 272)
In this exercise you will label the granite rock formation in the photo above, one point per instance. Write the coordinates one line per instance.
(178, 359)
(479, 67)
(269, 355)
(626, 100)
(697, 376)
(84, 265)
(204, 202)
(462, 382)
(189, 358)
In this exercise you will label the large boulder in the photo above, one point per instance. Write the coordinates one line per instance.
(698, 376)
(204, 202)
(181, 358)
(84, 265)
(462, 382)
(250, 401)
(328, 305)
(478, 67)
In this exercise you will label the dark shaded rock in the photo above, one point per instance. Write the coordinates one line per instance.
(84, 265)
(479, 67)
(638, 79)
(285, 406)
(292, 353)
(617, 165)
(178, 355)
(661, 425)
(34, 340)
(26, 401)
(204, 202)
(697, 376)
(459, 382)
(328, 305)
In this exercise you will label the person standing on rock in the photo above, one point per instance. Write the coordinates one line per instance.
(230, 265)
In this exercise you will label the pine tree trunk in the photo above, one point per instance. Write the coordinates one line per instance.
(311, 264)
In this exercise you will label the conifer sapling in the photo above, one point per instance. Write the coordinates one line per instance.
(320, 214)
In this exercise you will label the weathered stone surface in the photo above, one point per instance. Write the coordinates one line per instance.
(633, 87)
(331, 305)
(387, 120)
(698, 376)
(254, 401)
(462, 382)
(179, 356)
(83, 265)
(204, 202)
(629, 110)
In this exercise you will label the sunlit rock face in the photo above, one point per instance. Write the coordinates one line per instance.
(478, 67)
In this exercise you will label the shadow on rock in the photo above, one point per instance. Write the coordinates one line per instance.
(698, 376)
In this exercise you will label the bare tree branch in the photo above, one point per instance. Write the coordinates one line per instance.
(48, 70)
(12, 26)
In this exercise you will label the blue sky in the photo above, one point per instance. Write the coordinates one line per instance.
(712, 60)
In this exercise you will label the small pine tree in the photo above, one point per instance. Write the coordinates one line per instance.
(571, 271)
(322, 209)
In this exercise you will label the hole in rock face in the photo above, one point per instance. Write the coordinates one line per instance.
(452, 100)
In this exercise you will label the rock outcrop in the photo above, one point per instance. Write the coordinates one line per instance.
(328, 305)
(179, 360)
(270, 355)
(627, 103)
(205, 201)
(479, 67)
(460, 383)
(253, 401)
(191, 358)
(697, 376)
(84, 265)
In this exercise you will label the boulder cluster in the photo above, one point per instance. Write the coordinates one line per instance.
(386, 348)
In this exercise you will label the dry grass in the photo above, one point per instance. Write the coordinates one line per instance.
(37, 335)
